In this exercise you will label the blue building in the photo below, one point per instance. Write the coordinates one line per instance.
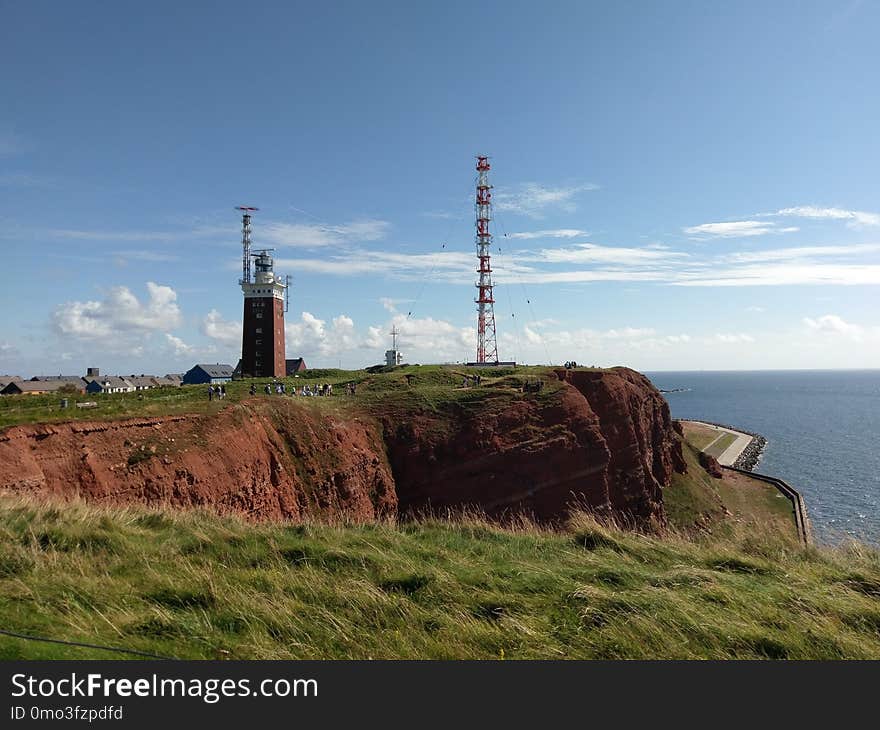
(207, 373)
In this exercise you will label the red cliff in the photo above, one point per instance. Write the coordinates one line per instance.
(269, 466)
(600, 439)
(604, 440)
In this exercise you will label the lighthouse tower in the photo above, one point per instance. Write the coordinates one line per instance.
(262, 340)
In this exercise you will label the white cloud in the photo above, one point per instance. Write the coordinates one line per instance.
(802, 252)
(313, 337)
(593, 263)
(223, 331)
(180, 348)
(782, 274)
(629, 333)
(431, 339)
(532, 199)
(419, 339)
(316, 235)
(591, 253)
(834, 325)
(856, 217)
(618, 339)
(390, 305)
(731, 339)
(374, 338)
(119, 314)
(735, 229)
(554, 233)
(392, 263)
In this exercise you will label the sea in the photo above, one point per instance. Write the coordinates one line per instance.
(822, 429)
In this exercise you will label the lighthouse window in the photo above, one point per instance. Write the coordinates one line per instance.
(258, 315)
(258, 342)
(259, 330)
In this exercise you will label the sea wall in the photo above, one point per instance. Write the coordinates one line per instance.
(799, 506)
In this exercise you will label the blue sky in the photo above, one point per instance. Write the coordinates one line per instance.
(680, 185)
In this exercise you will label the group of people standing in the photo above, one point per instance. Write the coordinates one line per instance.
(306, 390)
(471, 380)
(279, 388)
(321, 390)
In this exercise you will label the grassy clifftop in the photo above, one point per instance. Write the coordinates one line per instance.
(198, 586)
(405, 386)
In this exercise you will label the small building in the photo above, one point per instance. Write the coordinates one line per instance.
(7, 379)
(109, 384)
(175, 378)
(167, 381)
(142, 382)
(40, 387)
(294, 366)
(393, 357)
(75, 379)
(206, 373)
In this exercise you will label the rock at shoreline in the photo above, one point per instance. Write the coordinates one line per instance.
(711, 465)
(751, 454)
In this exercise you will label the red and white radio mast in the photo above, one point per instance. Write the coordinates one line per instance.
(487, 346)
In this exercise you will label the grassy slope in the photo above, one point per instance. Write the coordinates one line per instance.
(217, 587)
(696, 500)
(426, 385)
(698, 435)
(194, 585)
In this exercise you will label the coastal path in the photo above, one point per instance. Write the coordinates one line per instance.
(727, 445)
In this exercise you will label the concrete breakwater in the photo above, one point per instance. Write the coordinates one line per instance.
(751, 454)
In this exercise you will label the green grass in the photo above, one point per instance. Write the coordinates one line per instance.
(409, 387)
(700, 436)
(721, 444)
(192, 585)
(692, 499)
(697, 502)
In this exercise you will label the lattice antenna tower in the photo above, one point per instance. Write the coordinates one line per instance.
(487, 345)
(246, 211)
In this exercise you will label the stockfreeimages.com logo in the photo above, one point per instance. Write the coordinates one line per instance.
(208, 690)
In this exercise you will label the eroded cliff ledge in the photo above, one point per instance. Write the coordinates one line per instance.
(601, 439)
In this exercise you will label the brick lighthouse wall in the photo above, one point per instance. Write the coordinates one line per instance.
(279, 352)
(262, 346)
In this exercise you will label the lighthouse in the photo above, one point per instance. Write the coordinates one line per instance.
(262, 339)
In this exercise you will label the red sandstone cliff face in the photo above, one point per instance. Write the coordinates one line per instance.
(602, 440)
(238, 461)
(605, 441)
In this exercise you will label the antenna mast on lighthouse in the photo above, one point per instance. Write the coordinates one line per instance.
(487, 346)
(245, 242)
